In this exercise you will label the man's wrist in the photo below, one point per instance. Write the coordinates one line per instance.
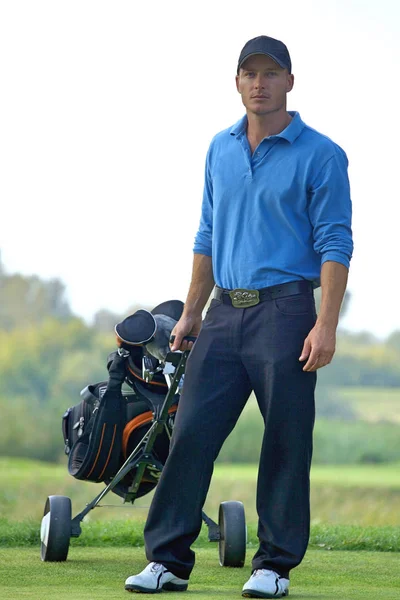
(327, 322)
(193, 315)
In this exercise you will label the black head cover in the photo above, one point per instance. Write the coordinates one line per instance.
(136, 329)
(142, 327)
(171, 308)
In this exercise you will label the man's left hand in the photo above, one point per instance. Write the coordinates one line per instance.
(319, 347)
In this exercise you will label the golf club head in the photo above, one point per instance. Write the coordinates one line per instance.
(159, 345)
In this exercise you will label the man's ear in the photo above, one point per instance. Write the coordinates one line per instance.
(237, 83)
(289, 83)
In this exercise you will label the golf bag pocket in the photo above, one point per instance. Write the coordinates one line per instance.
(93, 429)
(76, 418)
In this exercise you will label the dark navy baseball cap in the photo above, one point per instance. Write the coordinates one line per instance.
(268, 46)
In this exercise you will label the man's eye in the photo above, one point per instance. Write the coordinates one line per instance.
(272, 73)
(250, 74)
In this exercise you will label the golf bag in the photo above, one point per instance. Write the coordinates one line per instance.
(93, 429)
(107, 425)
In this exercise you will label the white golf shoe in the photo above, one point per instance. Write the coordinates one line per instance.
(154, 579)
(266, 584)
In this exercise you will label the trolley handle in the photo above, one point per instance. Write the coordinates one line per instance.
(188, 338)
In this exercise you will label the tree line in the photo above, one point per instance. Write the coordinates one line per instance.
(48, 354)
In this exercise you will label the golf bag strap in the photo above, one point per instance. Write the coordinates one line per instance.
(95, 455)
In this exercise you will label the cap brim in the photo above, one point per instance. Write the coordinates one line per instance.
(278, 62)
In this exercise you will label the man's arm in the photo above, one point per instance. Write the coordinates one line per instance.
(319, 345)
(202, 273)
(200, 289)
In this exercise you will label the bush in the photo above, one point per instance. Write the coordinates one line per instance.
(355, 442)
(336, 441)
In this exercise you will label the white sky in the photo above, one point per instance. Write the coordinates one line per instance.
(107, 109)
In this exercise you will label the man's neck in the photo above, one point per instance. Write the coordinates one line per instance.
(262, 126)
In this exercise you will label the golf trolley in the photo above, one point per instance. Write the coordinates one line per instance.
(122, 438)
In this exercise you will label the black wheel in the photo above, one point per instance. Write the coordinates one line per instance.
(55, 530)
(233, 534)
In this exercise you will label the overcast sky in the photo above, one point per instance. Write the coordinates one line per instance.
(107, 109)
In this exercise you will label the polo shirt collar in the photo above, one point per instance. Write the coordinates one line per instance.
(290, 133)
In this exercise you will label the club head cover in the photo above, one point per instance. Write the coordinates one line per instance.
(136, 330)
(159, 345)
(170, 308)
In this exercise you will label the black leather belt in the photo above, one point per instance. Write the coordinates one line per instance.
(242, 298)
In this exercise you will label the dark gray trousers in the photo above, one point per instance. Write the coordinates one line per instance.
(237, 351)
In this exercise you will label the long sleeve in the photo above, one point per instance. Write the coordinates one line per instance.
(203, 239)
(330, 211)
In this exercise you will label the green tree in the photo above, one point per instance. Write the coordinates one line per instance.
(26, 300)
(105, 320)
(42, 371)
(393, 341)
(31, 358)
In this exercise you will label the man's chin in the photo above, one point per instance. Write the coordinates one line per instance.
(263, 111)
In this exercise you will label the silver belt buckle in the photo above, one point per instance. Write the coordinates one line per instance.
(244, 298)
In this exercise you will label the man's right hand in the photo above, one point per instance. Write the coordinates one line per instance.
(185, 326)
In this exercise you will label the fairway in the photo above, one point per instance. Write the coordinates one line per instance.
(99, 574)
(372, 403)
(365, 495)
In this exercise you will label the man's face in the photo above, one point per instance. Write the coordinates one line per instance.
(263, 85)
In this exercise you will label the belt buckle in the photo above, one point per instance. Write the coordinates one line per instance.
(242, 298)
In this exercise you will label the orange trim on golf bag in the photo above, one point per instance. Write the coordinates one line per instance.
(109, 454)
(142, 419)
(141, 379)
(98, 452)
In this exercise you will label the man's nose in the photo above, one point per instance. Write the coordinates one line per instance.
(259, 81)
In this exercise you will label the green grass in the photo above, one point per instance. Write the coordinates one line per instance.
(344, 432)
(99, 574)
(380, 476)
(120, 533)
(354, 560)
(365, 495)
(372, 403)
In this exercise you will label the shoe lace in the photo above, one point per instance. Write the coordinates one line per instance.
(263, 572)
(155, 567)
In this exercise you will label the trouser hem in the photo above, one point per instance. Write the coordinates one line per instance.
(280, 572)
(182, 574)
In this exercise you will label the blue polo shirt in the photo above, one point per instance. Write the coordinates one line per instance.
(278, 214)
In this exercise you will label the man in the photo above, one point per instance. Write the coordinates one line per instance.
(276, 222)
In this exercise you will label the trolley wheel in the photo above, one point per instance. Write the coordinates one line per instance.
(55, 530)
(233, 534)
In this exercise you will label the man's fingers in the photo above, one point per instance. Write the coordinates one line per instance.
(309, 367)
(306, 350)
(185, 327)
(180, 343)
(318, 350)
(311, 363)
(177, 341)
(186, 345)
(176, 345)
(316, 361)
(314, 357)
